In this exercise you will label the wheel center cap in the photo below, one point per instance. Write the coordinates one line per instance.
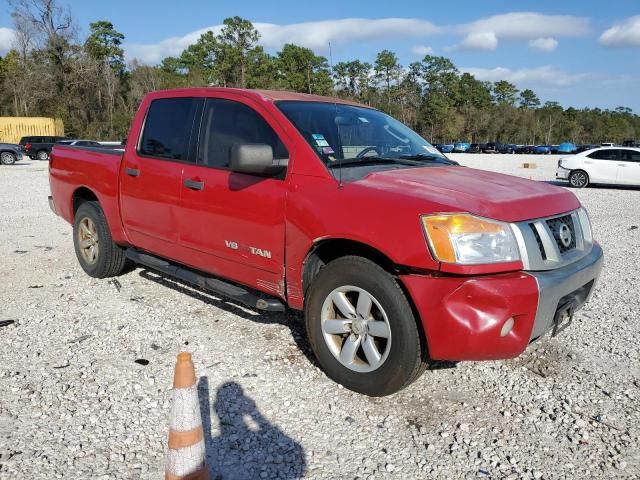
(359, 326)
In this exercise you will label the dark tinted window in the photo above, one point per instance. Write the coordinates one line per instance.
(226, 123)
(167, 129)
(606, 154)
(631, 155)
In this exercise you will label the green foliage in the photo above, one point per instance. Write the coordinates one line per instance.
(301, 70)
(104, 43)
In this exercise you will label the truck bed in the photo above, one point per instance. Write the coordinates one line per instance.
(94, 169)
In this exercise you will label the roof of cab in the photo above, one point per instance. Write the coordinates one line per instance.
(272, 95)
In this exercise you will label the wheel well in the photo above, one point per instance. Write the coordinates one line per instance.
(82, 195)
(326, 251)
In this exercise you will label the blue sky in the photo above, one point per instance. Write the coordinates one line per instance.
(578, 52)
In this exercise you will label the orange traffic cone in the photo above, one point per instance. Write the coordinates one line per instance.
(186, 455)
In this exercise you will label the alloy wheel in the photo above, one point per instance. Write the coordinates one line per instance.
(356, 329)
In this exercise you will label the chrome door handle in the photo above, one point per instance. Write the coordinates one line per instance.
(193, 184)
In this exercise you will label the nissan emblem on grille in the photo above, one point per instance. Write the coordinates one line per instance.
(564, 232)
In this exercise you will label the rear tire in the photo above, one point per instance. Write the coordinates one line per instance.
(578, 179)
(42, 155)
(376, 325)
(7, 158)
(98, 256)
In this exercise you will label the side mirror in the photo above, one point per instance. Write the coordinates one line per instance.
(254, 159)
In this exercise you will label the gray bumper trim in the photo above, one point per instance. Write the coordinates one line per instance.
(555, 284)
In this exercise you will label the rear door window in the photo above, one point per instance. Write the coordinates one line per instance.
(226, 123)
(631, 156)
(168, 127)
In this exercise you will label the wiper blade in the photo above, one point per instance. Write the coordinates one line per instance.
(372, 159)
(428, 157)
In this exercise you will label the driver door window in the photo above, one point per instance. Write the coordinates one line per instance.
(226, 123)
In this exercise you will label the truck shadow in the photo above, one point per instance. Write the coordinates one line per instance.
(247, 444)
(290, 318)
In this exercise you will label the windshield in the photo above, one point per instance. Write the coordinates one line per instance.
(344, 134)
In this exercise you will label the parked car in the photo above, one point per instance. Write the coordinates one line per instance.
(490, 147)
(525, 149)
(630, 143)
(79, 143)
(10, 153)
(585, 147)
(476, 147)
(506, 148)
(444, 147)
(542, 149)
(606, 165)
(566, 147)
(607, 144)
(39, 147)
(461, 147)
(207, 194)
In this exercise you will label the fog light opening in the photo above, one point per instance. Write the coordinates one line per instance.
(507, 327)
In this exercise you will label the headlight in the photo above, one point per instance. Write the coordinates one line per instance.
(469, 240)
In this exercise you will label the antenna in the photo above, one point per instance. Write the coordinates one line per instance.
(335, 106)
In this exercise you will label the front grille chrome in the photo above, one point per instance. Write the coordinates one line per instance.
(552, 242)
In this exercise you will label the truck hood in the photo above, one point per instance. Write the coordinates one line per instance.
(488, 194)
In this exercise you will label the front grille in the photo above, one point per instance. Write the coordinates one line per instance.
(564, 232)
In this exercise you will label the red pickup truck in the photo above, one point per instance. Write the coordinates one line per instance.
(397, 255)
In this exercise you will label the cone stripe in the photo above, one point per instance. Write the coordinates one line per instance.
(186, 460)
(185, 439)
(186, 409)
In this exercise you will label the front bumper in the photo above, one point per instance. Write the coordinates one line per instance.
(464, 317)
(562, 173)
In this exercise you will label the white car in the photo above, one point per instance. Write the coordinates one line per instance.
(608, 165)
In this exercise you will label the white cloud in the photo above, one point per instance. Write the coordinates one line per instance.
(421, 50)
(545, 75)
(478, 41)
(7, 37)
(624, 34)
(314, 35)
(527, 26)
(543, 44)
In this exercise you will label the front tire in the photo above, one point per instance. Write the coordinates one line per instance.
(7, 158)
(98, 256)
(578, 179)
(362, 329)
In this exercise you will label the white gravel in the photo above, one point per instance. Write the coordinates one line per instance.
(74, 404)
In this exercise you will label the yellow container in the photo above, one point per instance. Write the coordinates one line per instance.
(12, 129)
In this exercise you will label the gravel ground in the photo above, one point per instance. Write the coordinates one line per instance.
(75, 404)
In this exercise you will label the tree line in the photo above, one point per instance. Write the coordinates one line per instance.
(87, 83)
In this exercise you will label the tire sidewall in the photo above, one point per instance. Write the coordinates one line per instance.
(43, 154)
(4, 155)
(400, 364)
(578, 172)
(93, 212)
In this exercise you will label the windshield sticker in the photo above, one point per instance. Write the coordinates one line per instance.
(320, 140)
(431, 149)
(327, 150)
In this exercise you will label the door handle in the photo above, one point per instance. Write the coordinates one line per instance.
(132, 172)
(194, 184)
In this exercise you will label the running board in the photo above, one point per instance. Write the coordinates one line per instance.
(211, 284)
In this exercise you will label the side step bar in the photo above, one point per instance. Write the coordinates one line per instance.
(211, 284)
